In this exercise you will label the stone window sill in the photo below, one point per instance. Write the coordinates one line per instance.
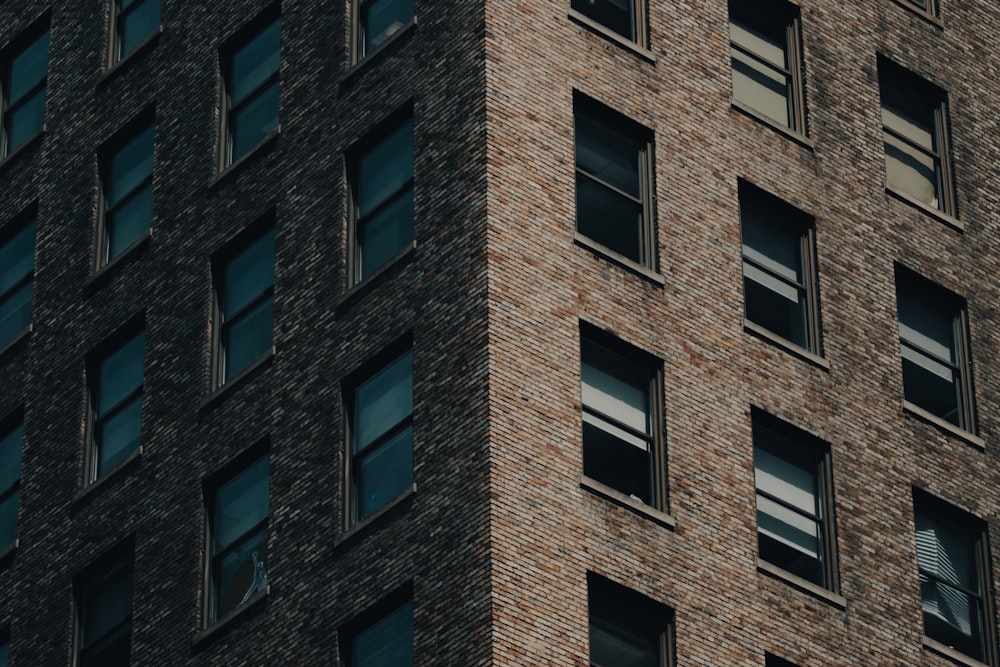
(804, 585)
(392, 264)
(794, 135)
(262, 146)
(110, 267)
(937, 214)
(131, 57)
(239, 379)
(379, 51)
(629, 503)
(950, 653)
(223, 624)
(800, 352)
(94, 486)
(934, 420)
(376, 516)
(23, 148)
(618, 259)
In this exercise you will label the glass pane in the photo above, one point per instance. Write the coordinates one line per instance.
(760, 87)
(609, 218)
(385, 472)
(932, 386)
(387, 643)
(783, 479)
(383, 401)
(767, 47)
(615, 462)
(17, 257)
(240, 504)
(607, 155)
(385, 233)
(107, 606)
(912, 120)
(381, 19)
(952, 617)
(27, 69)
(4, 656)
(111, 651)
(120, 373)
(130, 221)
(248, 274)
(138, 24)
(620, 634)
(911, 171)
(15, 314)
(10, 456)
(254, 120)
(947, 548)
(613, 14)
(130, 166)
(8, 520)
(926, 322)
(775, 305)
(241, 573)
(255, 62)
(620, 391)
(118, 436)
(384, 169)
(787, 527)
(248, 338)
(25, 121)
(770, 240)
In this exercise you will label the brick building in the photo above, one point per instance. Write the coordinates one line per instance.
(389, 332)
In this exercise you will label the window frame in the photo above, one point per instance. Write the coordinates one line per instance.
(10, 425)
(658, 617)
(8, 232)
(97, 578)
(931, 8)
(638, 23)
(20, 44)
(118, 15)
(359, 46)
(367, 619)
(613, 122)
(106, 208)
(800, 444)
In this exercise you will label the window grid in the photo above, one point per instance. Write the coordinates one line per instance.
(623, 622)
(116, 397)
(24, 104)
(624, 17)
(251, 72)
(378, 20)
(126, 215)
(17, 271)
(132, 22)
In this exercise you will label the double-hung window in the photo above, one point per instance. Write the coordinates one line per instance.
(381, 455)
(11, 441)
(614, 183)
(132, 22)
(382, 200)
(794, 501)
(104, 616)
(250, 71)
(238, 539)
(767, 60)
(929, 7)
(22, 89)
(915, 135)
(779, 268)
(933, 340)
(627, 628)
(245, 305)
(17, 270)
(127, 193)
(953, 558)
(377, 21)
(385, 641)
(624, 17)
(116, 382)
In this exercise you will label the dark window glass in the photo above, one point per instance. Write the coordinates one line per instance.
(128, 193)
(386, 643)
(252, 86)
(105, 618)
(383, 200)
(775, 661)
(626, 629)
(246, 298)
(117, 405)
(11, 441)
(381, 19)
(382, 435)
(4, 654)
(17, 268)
(25, 73)
(239, 539)
(135, 20)
(617, 15)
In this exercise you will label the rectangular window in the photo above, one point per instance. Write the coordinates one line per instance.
(5, 651)
(17, 270)
(116, 380)
(622, 418)
(25, 69)
(953, 558)
(377, 21)
(933, 340)
(381, 435)
(238, 514)
(245, 305)
(625, 17)
(133, 22)
(928, 7)
(385, 641)
(250, 73)
(626, 627)
(614, 183)
(382, 200)
(11, 443)
(126, 192)
(767, 60)
(915, 134)
(104, 616)
(779, 268)
(771, 660)
(794, 501)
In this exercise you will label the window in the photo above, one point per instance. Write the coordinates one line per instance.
(621, 418)
(25, 68)
(771, 660)
(116, 380)
(17, 269)
(11, 441)
(250, 70)
(928, 7)
(627, 628)
(378, 20)
(104, 616)
(238, 539)
(133, 22)
(382, 199)
(381, 457)
(794, 501)
(779, 268)
(127, 193)
(953, 558)
(245, 305)
(625, 17)
(385, 642)
(933, 340)
(614, 184)
(5, 652)
(767, 60)
(915, 133)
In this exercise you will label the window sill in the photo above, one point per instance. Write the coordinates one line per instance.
(17, 340)
(934, 420)
(392, 264)
(804, 585)
(794, 135)
(102, 273)
(96, 485)
(950, 653)
(23, 148)
(596, 27)
(621, 260)
(223, 624)
(930, 18)
(130, 57)
(240, 378)
(629, 503)
(802, 353)
(937, 214)
(261, 147)
(361, 526)
(379, 51)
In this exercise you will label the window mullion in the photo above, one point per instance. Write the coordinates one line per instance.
(240, 539)
(798, 286)
(958, 587)
(391, 198)
(909, 142)
(601, 182)
(785, 504)
(26, 279)
(781, 69)
(253, 303)
(253, 94)
(387, 435)
(955, 368)
(131, 194)
(120, 405)
(614, 422)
